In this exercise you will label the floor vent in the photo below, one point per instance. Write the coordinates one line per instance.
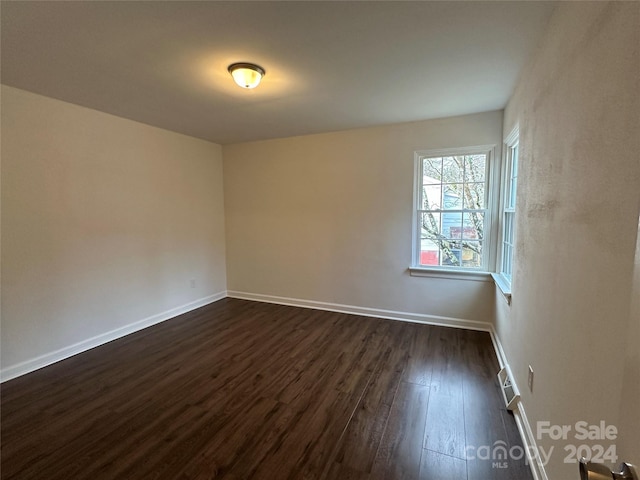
(510, 394)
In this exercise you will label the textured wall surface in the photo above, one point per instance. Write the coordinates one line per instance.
(629, 409)
(578, 107)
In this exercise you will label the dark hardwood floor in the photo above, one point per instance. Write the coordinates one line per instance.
(240, 390)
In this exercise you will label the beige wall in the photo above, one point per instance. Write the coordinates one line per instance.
(629, 409)
(105, 222)
(328, 218)
(577, 106)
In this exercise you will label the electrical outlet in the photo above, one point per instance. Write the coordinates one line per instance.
(193, 283)
(530, 379)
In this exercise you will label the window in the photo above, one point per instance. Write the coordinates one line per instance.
(452, 214)
(509, 187)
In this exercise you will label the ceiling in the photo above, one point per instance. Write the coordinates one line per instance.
(330, 65)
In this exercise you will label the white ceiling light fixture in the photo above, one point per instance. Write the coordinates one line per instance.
(246, 75)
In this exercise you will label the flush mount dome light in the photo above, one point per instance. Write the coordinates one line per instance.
(246, 75)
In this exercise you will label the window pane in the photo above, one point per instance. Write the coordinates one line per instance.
(511, 200)
(429, 257)
(432, 170)
(430, 224)
(452, 196)
(508, 252)
(512, 192)
(471, 254)
(475, 168)
(513, 177)
(450, 253)
(508, 227)
(452, 224)
(473, 225)
(474, 195)
(452, 169)
(431, 197)
(429, 234)
(507, 246)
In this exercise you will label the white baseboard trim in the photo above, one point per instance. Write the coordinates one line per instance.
(529, 442)
(28, 366)
(524, 427)
(365, 311)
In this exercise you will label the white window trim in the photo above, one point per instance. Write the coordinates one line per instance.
(454, 274)
(503, 285)
(460, 273)
(500, 279)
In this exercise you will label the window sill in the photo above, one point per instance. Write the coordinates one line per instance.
(503, 285)
(472, 275)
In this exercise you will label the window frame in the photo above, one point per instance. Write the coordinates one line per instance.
(508, 209)
(488, 256)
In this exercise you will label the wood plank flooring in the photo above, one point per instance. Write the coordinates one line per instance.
(246, 390)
